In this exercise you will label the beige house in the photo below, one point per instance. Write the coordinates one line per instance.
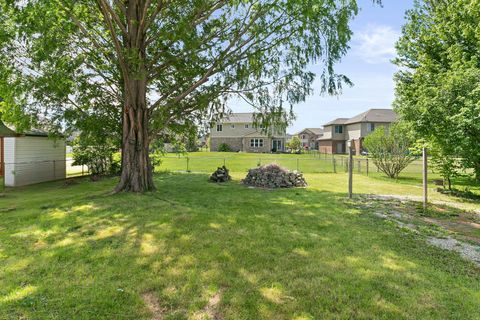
(309, 137)
(238, 131)
(342, 131)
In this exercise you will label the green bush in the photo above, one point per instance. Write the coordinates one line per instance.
(390, 149)
(224, 148)
(100, 160)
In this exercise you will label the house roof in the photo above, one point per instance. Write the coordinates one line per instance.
(374, 115)
(316, 131)
(246, 117)
(336, 121)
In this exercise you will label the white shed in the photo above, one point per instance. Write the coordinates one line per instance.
(30, 157)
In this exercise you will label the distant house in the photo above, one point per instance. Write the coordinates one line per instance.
(30, 157)
(339, 132)
(309, 137)
(238, 131)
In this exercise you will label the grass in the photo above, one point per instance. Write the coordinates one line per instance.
(408, 184)
(194, 250)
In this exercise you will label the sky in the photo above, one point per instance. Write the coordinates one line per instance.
(367, 64)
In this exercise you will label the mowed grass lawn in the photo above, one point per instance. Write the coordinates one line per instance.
(198, 250)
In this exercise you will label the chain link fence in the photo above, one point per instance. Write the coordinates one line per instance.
(31, 172)
(314, 163)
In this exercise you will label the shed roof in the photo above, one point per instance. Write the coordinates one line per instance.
(5, 131)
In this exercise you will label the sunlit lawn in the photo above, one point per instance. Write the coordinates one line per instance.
(203, 250)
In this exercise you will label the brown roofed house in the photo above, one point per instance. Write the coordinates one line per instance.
(338, 132)
(239, 132)
(309, 137)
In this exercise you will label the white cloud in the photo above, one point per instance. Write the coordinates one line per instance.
(375, 44)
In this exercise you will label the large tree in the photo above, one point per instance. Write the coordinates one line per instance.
(438, 85)
(145, 65)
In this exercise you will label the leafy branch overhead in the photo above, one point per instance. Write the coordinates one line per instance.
(193, 55)
(143, 66)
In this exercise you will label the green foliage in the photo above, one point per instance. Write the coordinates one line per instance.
(390, 149)
(224, 148)
(438, 87)
(73, 58)
(447, 166)
(295, 145)
(100, 160)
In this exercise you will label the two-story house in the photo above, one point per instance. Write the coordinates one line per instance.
(309, 137)
(341, 132)
(238, 131)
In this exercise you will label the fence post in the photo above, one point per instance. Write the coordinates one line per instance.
(188, 162)
(82, 171)
(54, 171)
(367, 167)
(350, 172)
(425, 180)
(224, 162)
(297, 165)
(259, 162)
(334, 165)
(359, 166)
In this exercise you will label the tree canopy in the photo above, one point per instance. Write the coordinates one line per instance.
(438, 85)
(139, 67)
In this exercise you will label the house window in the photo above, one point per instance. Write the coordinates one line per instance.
(246, 126)
(219, 128)
(256, 143)
(303, 136)
(232, 126)
(338, 129)
(370, 127)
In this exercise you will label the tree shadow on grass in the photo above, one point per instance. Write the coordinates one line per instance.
(272, 254)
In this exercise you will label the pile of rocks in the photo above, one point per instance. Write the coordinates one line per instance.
(221, 175)
(274, 176)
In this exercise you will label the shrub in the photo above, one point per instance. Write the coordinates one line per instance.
(390, 151)
(100, 160)
(224, 148)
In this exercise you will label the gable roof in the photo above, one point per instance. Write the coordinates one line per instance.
(336, 121)
(374, 115)
(246, 117)
(316, 131)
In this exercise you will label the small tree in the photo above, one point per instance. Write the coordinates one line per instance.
(295, 144)
(447, 166)
(390, 150)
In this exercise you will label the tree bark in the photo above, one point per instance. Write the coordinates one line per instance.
(137, 171)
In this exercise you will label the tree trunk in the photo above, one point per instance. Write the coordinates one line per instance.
(137, 173)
